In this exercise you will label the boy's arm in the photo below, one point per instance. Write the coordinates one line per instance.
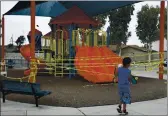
(116, 72)
(130, 78)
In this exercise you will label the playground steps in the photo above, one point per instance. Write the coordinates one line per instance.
(62, 70)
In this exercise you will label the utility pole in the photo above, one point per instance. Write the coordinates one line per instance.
(0, 36)
(161, 46)
(0, 31)
(167, 39)
(11, 40)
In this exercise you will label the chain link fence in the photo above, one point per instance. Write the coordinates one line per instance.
(18, 63)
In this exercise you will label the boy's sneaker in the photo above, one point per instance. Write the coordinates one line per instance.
(119, 109)
(119, 106)
(125, 112)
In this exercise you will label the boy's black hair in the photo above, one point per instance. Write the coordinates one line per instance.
(126, 61)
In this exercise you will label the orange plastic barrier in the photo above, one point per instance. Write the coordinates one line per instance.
(96, 64)
(27, 72)
(25, 52)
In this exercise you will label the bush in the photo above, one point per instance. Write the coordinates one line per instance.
(10, 45)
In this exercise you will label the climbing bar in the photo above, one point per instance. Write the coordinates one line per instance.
(87, 40)
(73, 38)
(62, 55)
(77, 39)
(95, 39)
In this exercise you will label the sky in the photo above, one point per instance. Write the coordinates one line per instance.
(20, 25)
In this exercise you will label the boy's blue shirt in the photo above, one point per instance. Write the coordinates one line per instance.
(123, 75)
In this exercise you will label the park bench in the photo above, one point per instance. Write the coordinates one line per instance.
(25, 88)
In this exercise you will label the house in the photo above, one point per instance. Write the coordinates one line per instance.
(138, 54)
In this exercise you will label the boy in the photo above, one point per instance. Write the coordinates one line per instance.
(124, 77)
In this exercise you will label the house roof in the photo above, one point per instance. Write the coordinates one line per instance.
(74, 15)
(114, 47)
(137, 47)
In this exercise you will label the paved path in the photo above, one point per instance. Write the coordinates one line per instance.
(153, 107)
(149, 74)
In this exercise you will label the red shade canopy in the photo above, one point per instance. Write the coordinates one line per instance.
(74, 15)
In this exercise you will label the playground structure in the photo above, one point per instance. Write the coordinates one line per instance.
(62, 49)
(68, 52)
(73, 46)
(70, 33)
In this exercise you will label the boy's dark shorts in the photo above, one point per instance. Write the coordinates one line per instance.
(124, 93)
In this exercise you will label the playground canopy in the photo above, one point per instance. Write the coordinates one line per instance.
(55, 8)
(48, 9)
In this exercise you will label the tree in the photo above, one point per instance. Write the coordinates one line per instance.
(101, 19)
(20, 41)
(148, 26)
(10, 45)
(119, 20)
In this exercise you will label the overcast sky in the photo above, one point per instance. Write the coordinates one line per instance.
(20, 25)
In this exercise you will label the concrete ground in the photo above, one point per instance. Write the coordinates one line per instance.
(149, 74)
(152, 107)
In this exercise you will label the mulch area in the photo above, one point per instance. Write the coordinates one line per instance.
(80, 93)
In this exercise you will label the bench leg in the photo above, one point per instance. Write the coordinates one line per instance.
(36, 100)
